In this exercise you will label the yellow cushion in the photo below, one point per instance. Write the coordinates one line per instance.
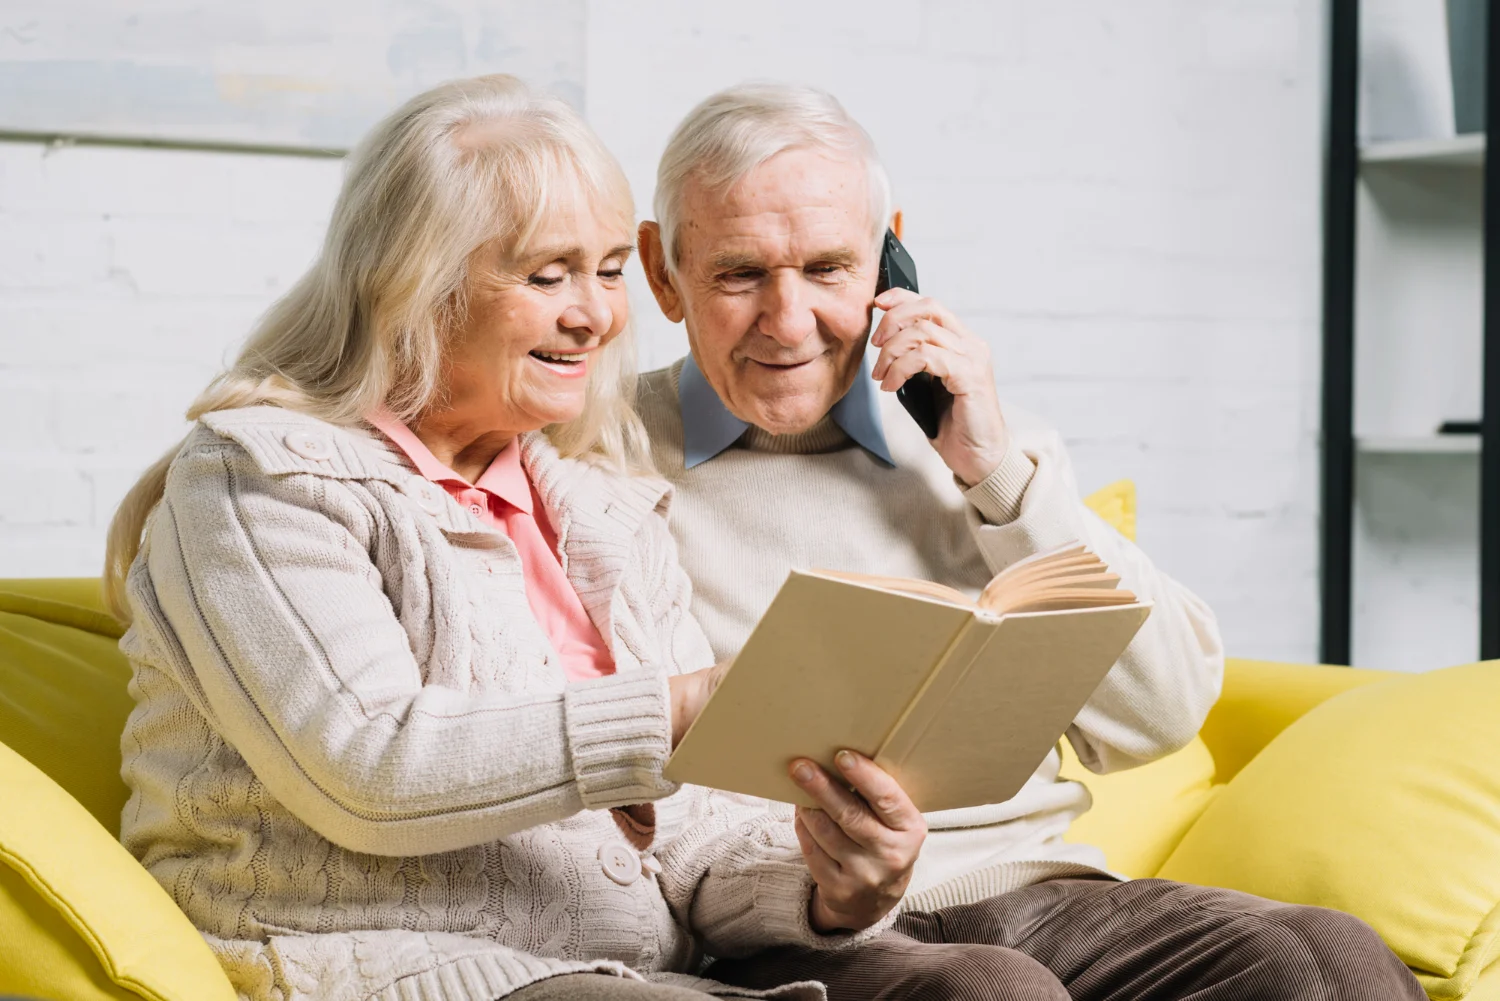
(1140, 815)
(63, 698)
(1487, 987)
(1384, 802)
(1262, 698)
(79, 918)
(1116, 505)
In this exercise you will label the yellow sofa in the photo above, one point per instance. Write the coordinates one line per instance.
(80, 920)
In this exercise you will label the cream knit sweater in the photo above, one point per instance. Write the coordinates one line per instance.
(769, 504)
(355, 764)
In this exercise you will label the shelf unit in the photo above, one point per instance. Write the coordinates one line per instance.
(1460, 151)
(1411, 338)
(1434, 444)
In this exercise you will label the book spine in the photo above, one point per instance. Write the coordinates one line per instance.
(944, 678)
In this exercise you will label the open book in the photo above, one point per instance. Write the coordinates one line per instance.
(960, 700)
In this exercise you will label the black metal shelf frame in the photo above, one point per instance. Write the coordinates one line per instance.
(1341, 179)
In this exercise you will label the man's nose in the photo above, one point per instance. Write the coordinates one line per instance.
(589, 314)
(787, 315)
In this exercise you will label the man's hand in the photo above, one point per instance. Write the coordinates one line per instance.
(860, 846)
(690, 694)
(917, 334)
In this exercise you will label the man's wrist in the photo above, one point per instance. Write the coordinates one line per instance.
(979, 467)
(998, 496)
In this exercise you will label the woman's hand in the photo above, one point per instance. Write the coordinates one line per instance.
(690, 693)
(860, 846)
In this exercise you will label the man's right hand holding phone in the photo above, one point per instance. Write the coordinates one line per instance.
(919, 334)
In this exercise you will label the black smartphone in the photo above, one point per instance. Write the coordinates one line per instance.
(923, 396)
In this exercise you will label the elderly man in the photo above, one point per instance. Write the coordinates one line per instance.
(787, 451)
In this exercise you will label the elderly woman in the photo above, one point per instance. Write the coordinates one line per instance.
(410, 640)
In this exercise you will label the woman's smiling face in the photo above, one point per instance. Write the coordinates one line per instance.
(520, 358)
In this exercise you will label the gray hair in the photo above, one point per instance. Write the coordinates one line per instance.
(736, 130)
(460, 165)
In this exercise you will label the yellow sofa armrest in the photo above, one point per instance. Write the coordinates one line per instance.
(79, 917)
(1262, 698)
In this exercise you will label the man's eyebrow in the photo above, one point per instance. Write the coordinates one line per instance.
(736, 261)
(835, 255)
(733, 261)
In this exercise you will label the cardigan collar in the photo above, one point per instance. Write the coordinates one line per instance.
(596, 512)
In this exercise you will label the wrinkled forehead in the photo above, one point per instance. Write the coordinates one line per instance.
(573, 208)
(797, 200)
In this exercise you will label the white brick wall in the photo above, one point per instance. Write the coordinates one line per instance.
(1123, 198)
(127, 276)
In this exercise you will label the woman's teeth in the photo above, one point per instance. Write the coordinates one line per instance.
(560, 356)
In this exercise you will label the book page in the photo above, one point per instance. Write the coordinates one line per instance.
(1068, 577)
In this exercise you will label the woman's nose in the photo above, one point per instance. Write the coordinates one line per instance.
(590, 313)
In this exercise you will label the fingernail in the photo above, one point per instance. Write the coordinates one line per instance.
(844, 760)
(802, 771)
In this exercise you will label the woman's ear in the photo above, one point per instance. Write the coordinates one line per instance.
(654, 263)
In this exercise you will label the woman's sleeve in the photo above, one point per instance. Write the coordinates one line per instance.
(737, 879)
(287, 643)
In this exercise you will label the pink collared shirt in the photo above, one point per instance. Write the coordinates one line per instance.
(505, 498)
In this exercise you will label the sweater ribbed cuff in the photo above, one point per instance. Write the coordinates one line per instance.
(620, 736)
(998, 496)
(783, 900)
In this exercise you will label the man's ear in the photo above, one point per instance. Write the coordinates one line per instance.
(654, 262)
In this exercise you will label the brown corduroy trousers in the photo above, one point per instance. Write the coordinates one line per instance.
(1100, 940)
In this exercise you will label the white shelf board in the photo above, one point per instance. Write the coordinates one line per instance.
(1459, 151)
(1431, 444)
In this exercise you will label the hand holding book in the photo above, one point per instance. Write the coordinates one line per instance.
(860, 841)
(958, 700)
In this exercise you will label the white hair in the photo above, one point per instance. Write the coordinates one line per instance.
(736, 130)
(464, 164)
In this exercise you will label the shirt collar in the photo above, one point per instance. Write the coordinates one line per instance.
(505, 478)
(708, 427)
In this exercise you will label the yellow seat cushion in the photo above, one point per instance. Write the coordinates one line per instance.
(79, 918)
(1384, 802)
(63, 697)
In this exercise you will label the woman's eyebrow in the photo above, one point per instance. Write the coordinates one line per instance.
(557, 252)
(563, 252)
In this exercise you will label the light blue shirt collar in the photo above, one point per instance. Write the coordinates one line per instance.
(708, 427)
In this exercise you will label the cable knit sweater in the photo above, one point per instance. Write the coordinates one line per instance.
(770, 504)
(356, 765)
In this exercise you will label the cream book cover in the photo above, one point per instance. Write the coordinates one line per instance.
(960, 700)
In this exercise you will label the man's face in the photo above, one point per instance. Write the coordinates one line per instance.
(774, 283)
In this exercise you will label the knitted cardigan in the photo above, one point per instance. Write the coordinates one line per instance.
(356, 764)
